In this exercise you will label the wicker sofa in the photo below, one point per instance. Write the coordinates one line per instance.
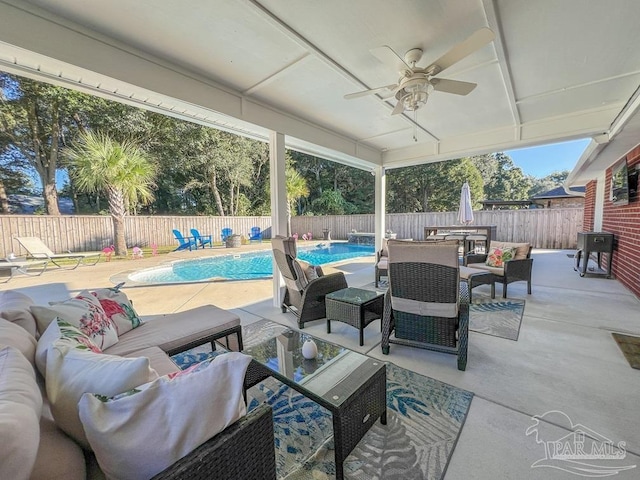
(515, 270)
(34, 447)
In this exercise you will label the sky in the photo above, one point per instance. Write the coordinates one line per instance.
(541, 161)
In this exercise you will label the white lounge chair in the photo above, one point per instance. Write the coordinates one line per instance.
(10, 267)
(39, 251)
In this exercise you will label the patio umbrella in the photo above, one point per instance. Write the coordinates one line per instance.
(465, 211)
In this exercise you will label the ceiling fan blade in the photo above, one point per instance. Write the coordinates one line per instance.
(390, 88)
(388, 56)
(399, 108)
(475, 42)
(452, 86)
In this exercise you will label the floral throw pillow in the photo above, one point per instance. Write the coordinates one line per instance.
(497, 256)
(118, 308)
(64, 334)
(84, 312)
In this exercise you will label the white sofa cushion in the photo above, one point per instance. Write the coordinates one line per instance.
(140, 433)
(15, 336)
(71, 372)
(14, 307)
(20, 408)
(59, 457)
(85, 312)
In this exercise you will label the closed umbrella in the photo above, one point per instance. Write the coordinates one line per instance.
(465, 211)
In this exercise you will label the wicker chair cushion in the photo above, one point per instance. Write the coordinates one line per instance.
(139, 433)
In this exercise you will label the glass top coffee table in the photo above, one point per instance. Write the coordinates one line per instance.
(354, 306)
(353, 387)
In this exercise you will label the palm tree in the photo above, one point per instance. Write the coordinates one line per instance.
(121, 169)
(296, 188)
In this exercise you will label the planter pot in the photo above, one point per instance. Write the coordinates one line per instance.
(233, 241)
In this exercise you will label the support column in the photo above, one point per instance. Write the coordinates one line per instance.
(278, 202)
(380, 205)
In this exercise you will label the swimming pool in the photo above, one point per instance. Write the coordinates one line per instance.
(246, 266)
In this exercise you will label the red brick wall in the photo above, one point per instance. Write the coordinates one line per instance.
(589, 206)
(624, 222)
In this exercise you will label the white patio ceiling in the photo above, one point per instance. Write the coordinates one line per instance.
(557, 70)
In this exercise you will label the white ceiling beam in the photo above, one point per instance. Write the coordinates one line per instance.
(326, 59)
(493, 19)
(273, 77)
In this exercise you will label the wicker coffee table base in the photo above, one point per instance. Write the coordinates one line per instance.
(356, 315)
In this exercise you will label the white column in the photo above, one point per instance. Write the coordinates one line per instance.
(598, 213)
(278, 202)
(380, 205)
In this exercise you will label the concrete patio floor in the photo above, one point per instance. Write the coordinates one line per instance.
(565, 358)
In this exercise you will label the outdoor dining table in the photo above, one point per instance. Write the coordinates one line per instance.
(488, 230)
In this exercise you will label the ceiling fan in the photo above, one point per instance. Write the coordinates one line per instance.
(416, 83)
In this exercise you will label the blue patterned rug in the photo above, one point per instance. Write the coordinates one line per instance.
(424, 420)
(500, 319)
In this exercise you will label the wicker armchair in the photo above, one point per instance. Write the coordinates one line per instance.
(249, 439)
(306, 286)
(426, 306)
(517, 270)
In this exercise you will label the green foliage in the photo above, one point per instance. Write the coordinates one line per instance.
(434, 187)
(551, 181)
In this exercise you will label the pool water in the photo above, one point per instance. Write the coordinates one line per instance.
(246, 266)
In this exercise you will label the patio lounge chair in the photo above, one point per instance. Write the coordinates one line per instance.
(255, 235)
(201, 240)
(518, 269)
(39, 251)
(10, 267)
(184, 242)
(423, 306)
(226, 232)
(306, 285)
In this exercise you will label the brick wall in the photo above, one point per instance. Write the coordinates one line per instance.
(589, 206)
(624, 222)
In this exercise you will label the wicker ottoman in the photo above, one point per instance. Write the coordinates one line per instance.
(474, 277)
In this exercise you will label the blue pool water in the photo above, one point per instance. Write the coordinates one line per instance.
(246, 266)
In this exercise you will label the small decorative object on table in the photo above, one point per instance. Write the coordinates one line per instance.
(309, 349)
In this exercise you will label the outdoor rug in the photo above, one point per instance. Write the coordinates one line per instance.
(497, 318)
(630, 347)
(424, 420)
(500, 319)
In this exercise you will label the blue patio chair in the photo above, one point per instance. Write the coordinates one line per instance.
(184, 242)
(226, 232)
(255, 235)
(201, 240)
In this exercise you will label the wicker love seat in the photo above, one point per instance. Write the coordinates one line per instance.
(517, 269)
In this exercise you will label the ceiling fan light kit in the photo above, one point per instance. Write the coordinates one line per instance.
(416, 84)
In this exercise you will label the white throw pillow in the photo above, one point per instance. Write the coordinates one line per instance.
(118, 308)
(20, 408)
(63, 334)
(85, 312)
(140, 433)
(71, 372)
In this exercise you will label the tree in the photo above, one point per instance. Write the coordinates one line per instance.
(509, 182)
(296, 188)
(121, 169)
(551, 181)
(434, 187)
(35, 120)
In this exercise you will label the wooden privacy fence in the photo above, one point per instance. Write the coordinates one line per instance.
(84, 233)
(543, 228)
